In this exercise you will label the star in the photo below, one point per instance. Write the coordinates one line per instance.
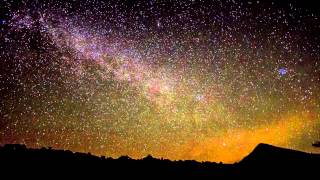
(282, 71)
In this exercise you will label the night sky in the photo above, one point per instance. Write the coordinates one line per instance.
(202, 80)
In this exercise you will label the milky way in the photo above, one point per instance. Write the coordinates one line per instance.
(179, 80)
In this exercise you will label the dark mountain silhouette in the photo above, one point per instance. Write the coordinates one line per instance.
(271, 161)
(264, 161)
(265, 154)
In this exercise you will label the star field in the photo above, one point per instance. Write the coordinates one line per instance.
(176, 79)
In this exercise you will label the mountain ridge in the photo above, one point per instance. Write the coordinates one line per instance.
(272, 154)
(264, 159)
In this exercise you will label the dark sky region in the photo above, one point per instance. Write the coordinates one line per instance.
(202, 80)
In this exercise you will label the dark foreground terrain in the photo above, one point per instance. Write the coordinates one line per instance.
(265, 161)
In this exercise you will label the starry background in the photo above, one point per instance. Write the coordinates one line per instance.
(202, 80)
